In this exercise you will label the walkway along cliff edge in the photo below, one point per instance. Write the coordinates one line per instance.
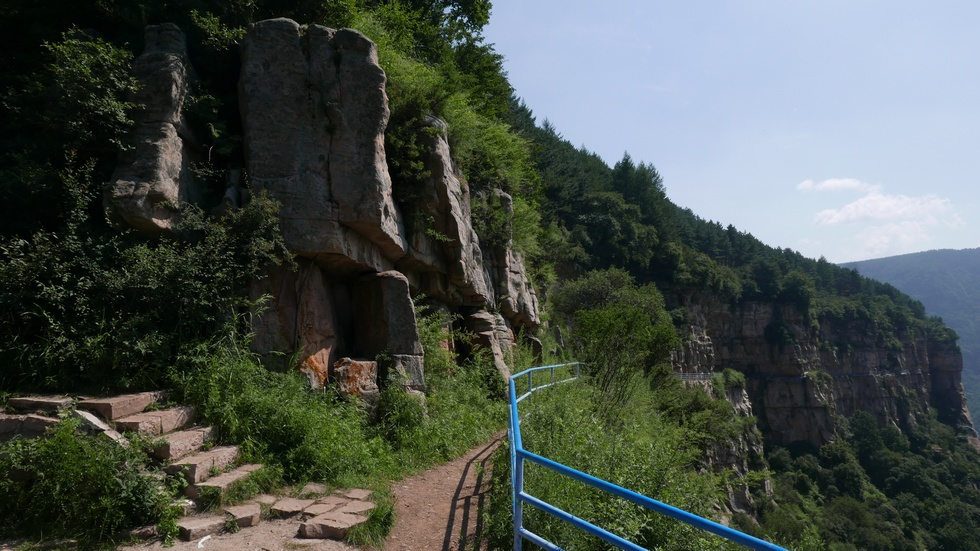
(518, 455)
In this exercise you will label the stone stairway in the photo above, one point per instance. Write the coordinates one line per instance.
(184, 450)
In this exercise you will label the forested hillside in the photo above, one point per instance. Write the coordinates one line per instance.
(829, 414)
(945, 281)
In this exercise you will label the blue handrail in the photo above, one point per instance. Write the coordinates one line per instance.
(518, 455)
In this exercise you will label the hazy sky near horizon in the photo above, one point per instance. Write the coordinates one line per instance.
(848, 129)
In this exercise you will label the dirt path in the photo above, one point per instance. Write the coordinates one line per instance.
(440, 509)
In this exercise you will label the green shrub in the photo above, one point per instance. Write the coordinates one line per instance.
(731, 379)
(311, 433)
(86, 309)
(68, 485)
(462, 412)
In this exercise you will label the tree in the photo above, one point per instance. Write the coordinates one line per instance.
(620, 330)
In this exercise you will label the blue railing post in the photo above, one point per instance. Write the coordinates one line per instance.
(519, 511)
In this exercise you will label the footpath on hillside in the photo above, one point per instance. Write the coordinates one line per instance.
(441, 509)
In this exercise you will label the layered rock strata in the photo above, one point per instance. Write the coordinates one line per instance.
(801, 376)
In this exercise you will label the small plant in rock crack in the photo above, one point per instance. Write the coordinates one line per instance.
(231, 525)
(167, 527)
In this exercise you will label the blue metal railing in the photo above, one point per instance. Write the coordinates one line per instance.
(518, 455)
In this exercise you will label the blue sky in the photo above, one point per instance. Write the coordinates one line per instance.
(844, 129)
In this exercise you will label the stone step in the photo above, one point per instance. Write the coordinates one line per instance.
(222, 481)
(332, 525)
(94, 425)
(192, 528)
(29, 425)
(339, 504)
(155, 423)
(289, 506)
(116, 407)
(47, 404)
(176, 445)
(246, 515)
(197, 467)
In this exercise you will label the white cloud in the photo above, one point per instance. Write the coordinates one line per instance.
(930, 210)
(835, 184)
(881, 224)
(891, 239)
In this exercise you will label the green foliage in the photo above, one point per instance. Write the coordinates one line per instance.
(731, 379)
(878, 489)
(68, 485)
(381, 519)
(219, 36)
(620, 330)
(705, 416)
(264, 480)
(77, 98)
(463, 411)
(310, 433)
(87, 309)
(485, 149)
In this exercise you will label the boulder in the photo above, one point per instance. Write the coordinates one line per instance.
(490, 331)
(359, 379)
(384, 315)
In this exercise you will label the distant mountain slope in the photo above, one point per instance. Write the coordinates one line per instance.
(947, 282)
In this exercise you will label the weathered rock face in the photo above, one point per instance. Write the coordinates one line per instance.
(800, 376)
(385, 325)
(302, 317)
(741, 454)
(314, 112)
(155, 176)
(444, 259)
(493, 334)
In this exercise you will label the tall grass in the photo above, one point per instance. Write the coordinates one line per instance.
(318, 435)
(641, 452)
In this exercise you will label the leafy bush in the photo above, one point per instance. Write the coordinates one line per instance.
(620, 330)
(312, 434)
(462, 405)
(82, 308)
(68, 485)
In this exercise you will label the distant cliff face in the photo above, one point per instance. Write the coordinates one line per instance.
(801, 375)
(314, 113)
(944, 281)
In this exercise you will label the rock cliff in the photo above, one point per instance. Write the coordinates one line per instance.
(802, 374)
(314, 112)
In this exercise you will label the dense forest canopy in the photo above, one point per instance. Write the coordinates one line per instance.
(89, 306)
